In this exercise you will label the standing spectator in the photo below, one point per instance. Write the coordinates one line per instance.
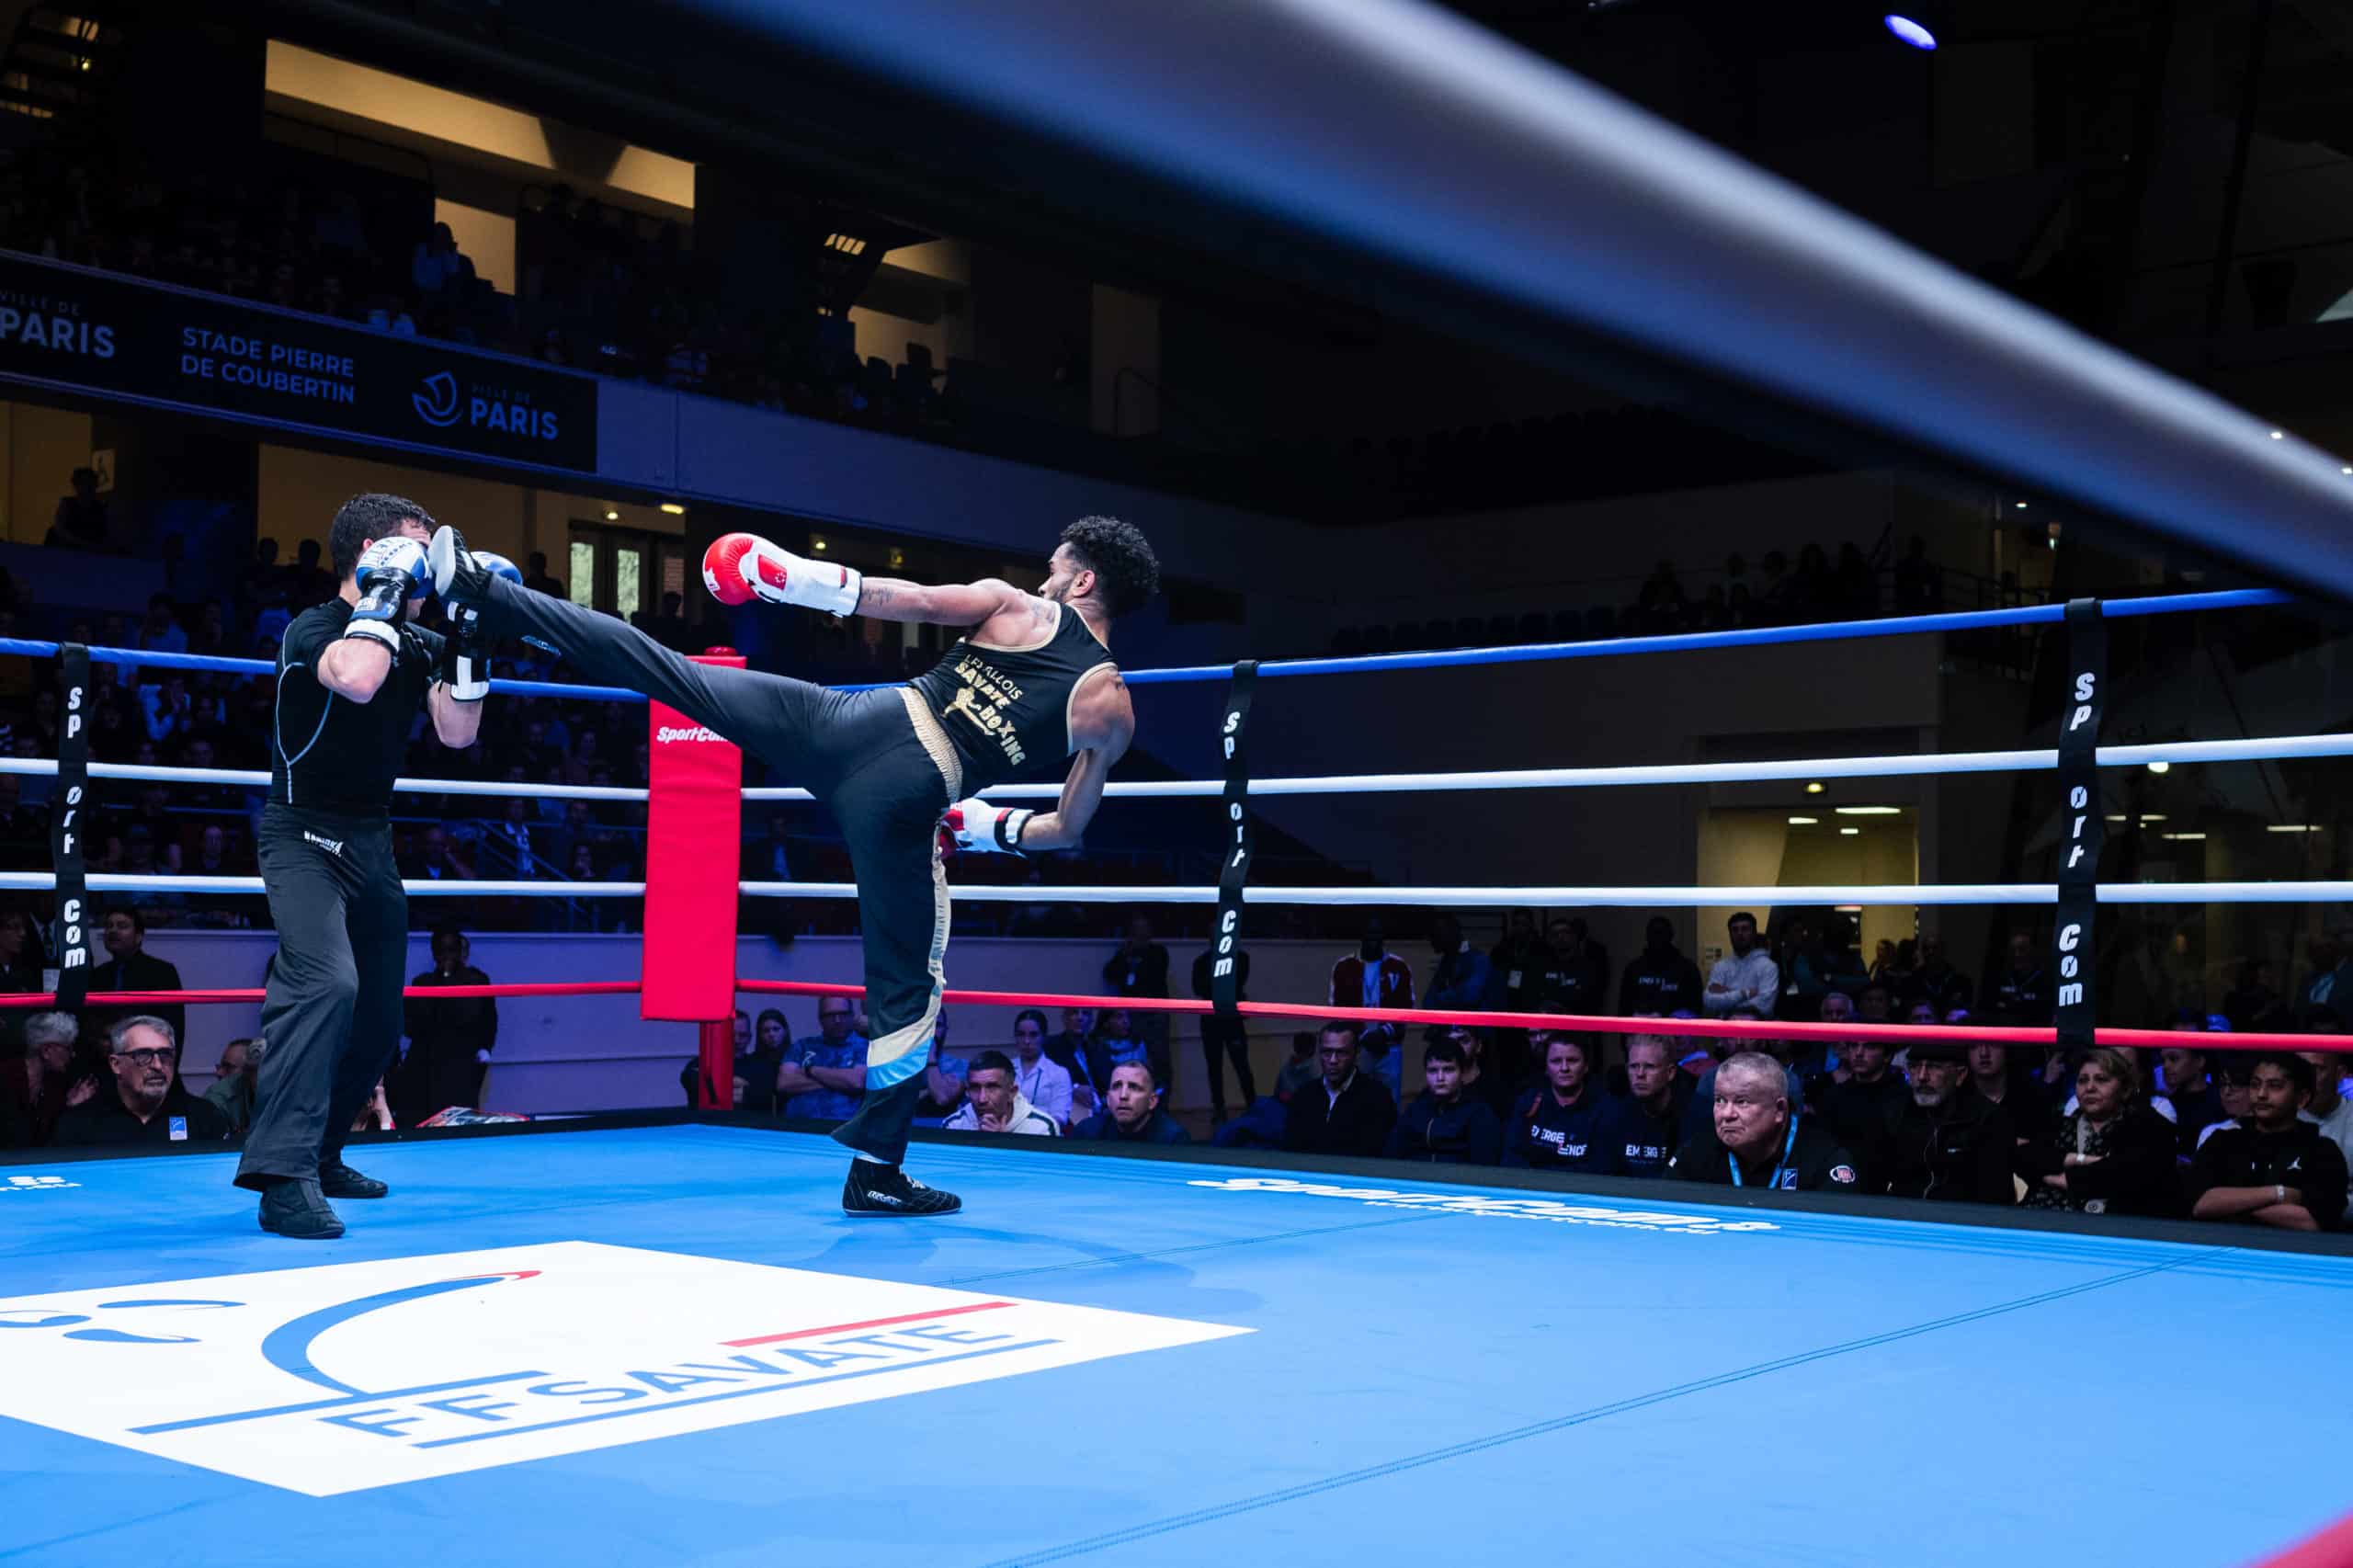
(1745, 977)
(1300, 1070)
(1440, 1126)
(536, 578)
(231, 1091)
(2331, 986)
(1463, 980)
(1575, 972)
(992, 1105)
(80, 520)
(1660, 981)
(2276, 1168)
(834, 1062)
(1346, 1111)
(1516, 961)
(1936, 981)
(1554, 1125)
(1919, 582)
(1141, 969)
(2022, 997)
(508, 850)
(2110, 1154)
(2253, 1005)
(1756, 1137)
(1224, 1040)
(449, 1041)
(1944, 1143)
(129, 968)
(1643, 1129)
(1067, 1051)
(1374, 977)
(32, 1098)
(439, 268)
(1131, 1112)
(146, 1103)
(1039, 1077)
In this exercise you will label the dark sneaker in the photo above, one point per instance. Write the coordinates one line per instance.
(295, 1208)
(870, 1188)
(340, 1180)
(458, 580)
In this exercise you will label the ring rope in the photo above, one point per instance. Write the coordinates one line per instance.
(233, 993)
(46, 767)
(124, 881)
(1593, 1023)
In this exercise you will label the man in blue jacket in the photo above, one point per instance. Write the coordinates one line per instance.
(1131, 1112)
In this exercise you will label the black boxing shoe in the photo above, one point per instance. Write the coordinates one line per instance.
(293, 1207)
(461, 581)
(340, 1180)
(877, 1189)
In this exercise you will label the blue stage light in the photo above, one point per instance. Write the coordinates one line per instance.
(1911, 31)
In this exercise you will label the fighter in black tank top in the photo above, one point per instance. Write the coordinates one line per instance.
(1006, 707)
(899, 767)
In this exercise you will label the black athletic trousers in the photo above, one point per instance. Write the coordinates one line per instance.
(1221, 1038)
(330, 1009)
(877, 758)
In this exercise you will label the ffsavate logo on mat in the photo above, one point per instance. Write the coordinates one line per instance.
(354, 1375)
(1550, 1209)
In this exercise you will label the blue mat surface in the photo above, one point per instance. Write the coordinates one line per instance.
(668, 1346)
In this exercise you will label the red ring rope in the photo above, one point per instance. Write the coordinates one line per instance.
(254, 994)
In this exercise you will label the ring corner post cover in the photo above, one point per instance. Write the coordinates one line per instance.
(693, 828)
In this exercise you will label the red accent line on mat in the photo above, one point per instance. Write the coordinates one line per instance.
(870, 1323)
(1714, 1028)
(2332, 1548)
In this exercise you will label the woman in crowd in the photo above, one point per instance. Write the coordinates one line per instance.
(1553, 1124)
(2112, 1154)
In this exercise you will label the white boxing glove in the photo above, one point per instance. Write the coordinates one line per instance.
(993, 830)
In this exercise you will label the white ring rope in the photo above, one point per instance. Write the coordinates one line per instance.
(1369, 897)
(117, 881)
(1913, 765)
(47, 768)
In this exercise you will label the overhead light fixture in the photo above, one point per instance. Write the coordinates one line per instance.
(2290, 827)
(1846, 909)
(1849, 832)
(2161, 767)
(1815, 788)
(612, 516)
(818, 545)
(1805, 822)
(2183, 837)
(675, 508)
(1910, 32)
(2147, 817)
(898, 559)
(1869, 811)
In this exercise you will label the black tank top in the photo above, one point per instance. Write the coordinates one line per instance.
(1006, 708)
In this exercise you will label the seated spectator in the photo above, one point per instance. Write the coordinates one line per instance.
(449, 1041)
(1131, 1112)
(2195, 1106)
(1700, 1109)
(233, 1076)
(508, 850)
(1300, 1070)
(1039, 1079)
(1660, 981)
(80, 520)
(1944, 1143)
(536, 578)
(2276, 1168)
(1441, 1126)
(146, 1103)
(826, 1073)
(1553, 1124)
(161, 631)
(376, 1116)
(1068, 1052)
(1346, 1110)
(1372, 976)
(436, 858)
(438, 266)
(1756, 1137)
(2254, 1005)
(1859, 1110)
(992, 1104)
(1936, 981)
(2020, 1096)
(1480, 1081)
(943, 1080)
(2022, 997)
(2110, 1153)
(1745, 977)
(1463, 980)
(32, 1098)
(2329, 1108)
(1643, 1127)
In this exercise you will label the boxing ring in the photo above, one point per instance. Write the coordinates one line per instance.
(652, 1337)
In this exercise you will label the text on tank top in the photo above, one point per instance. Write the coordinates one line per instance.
(1006, 708)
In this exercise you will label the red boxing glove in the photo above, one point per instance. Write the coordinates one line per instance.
(723, 568)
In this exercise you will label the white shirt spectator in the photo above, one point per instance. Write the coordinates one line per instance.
(1751, 982)
(2337, 1127)
(1025, 1118)
(1044, 1085)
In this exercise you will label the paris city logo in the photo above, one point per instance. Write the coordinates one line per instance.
(356, 1375)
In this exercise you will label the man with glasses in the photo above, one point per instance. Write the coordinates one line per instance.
(146, 1103)
(825, 1073)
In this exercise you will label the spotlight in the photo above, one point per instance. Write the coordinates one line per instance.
(674, 508)
(2278, 435)
(1803, 822)
(1911, 32)
(612, 516)
(1850, 832)
(2161, 767)
(1814, 788)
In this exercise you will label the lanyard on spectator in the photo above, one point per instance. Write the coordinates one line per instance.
(1234, 869)
(66, 808)
(1789, 1146)
(2078, 908)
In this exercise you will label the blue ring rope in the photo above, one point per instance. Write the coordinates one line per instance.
(1366, 664)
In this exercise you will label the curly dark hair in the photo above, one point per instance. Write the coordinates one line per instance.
(1126, 574)
(363, 517)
